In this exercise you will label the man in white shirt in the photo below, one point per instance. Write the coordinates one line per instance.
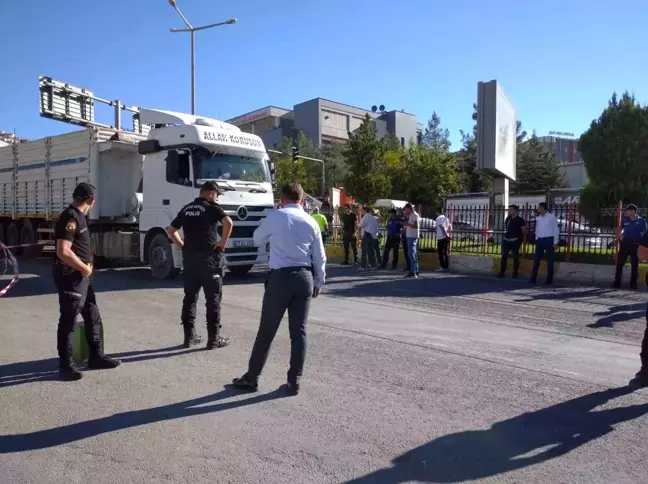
(443, 241)
(412, 235)
(546, 236)
(297, 274)
(369, 236)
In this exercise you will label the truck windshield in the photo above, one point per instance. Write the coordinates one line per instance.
(215, 166)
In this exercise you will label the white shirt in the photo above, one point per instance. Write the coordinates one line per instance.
(411, 232)
(442, 221)
(547, 226)
(295, 240)
(369, 225)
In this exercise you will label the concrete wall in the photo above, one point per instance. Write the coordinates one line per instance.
(575, 174)
(306, 118)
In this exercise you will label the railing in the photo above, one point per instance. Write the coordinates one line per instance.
(479, 230)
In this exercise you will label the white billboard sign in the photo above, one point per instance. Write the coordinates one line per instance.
(496, 131)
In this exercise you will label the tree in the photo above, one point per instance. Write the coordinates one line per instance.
(434, 136)
(615, 153)
(367, 178)
(286, 171)
(538, 169)
(427, 175)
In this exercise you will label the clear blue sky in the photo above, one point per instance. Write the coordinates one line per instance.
(559, 61)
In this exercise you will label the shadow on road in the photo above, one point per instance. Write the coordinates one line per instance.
(66, 434)
(47, 369)
(618, 314)
(36, 280)
(386, 284)
(525, 440)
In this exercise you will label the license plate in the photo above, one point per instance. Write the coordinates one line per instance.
(244, 243)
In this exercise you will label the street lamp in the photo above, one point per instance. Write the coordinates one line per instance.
(192, 30)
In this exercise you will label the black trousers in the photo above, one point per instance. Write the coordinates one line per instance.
(206, 273)
(627, 249)
(370, 249)
(349, 240)
(290, 289)
(442, 250)
(507, 247)
(392, 245)
(405, 254)
(76, 296)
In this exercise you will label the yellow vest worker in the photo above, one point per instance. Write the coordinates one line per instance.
(321, 222)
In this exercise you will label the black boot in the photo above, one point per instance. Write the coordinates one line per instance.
(67, 369)
(190, 336)
(215, 340)
(246, 383)
(100, 361)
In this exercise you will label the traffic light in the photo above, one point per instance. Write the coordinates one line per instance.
(295, 153)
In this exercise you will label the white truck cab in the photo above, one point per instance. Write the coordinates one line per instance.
(182, 152)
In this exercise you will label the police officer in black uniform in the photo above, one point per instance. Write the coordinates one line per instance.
(71, 272)
(202, 254)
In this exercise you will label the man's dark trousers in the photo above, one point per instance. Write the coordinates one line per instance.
(203, 272)
(507, 247)
(644, 347)
(76, 296)
(405, 254)
(442, 250)
(291, 289)
(368, 250)
(628, 248)
(392, 244)
(349, 240)
(543, 244)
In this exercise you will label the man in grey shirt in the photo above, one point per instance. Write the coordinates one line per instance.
(297, 274)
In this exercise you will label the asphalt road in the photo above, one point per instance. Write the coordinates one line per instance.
(443, 379)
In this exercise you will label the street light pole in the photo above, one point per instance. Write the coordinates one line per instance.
(192, 32)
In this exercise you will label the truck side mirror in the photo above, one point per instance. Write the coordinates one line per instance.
(273, 174)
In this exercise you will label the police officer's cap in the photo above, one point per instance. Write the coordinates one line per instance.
(84, 191)
(211, 186)
(631, 206)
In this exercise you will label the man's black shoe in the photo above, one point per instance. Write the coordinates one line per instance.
(103, 363)
(217, 342)
(190, 337)
(410, 275)
(616, 285)
(293, 389)
(345, 263)
(246, 383)
(70, 373)
(548, 283)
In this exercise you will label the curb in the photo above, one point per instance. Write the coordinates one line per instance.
(568, 273)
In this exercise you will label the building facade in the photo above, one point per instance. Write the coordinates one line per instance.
(323, 121)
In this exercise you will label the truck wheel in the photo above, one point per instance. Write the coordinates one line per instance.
(161, 258)
(239, 271)
(13, 237)
(28, 236)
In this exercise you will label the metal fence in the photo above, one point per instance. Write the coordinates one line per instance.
(479, 230)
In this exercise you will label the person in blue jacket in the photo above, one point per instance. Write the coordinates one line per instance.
(634, 227)
(394, 227)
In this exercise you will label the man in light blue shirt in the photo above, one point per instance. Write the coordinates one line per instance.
(297, 274)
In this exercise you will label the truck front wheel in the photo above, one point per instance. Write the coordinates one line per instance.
(239, 271)
(161, 258)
